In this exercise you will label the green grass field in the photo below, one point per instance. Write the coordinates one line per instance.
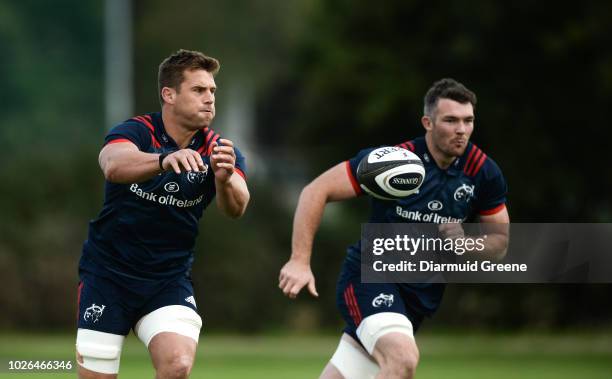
(295, 357)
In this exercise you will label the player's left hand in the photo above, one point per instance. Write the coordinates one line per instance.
(223, 160)
(451, 230)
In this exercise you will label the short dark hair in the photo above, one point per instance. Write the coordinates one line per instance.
(447, 89)
(171, 69)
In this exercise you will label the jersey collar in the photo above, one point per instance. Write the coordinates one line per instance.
(165, 138)
(423, 151)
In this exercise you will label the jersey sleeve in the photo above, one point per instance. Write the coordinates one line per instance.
(240, 167)
(492, 190)
(351, 168)
(130, 131)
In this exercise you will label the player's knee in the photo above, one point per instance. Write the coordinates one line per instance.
(400, 362)
(352, 362)
(178, 366)
(389, 338)
(380, 325)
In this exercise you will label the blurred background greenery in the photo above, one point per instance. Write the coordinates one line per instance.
(304, 84)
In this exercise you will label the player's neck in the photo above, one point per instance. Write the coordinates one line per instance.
(442, 160)
(180, 134)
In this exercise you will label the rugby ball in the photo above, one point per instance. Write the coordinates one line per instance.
(390, 173)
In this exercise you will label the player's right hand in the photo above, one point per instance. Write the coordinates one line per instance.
(184, 160)
(451, 230)
(294, 276)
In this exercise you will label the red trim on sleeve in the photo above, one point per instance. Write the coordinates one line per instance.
(118, 140)
(408, 145)
(493, 211)
(352, 179)
(240, 172)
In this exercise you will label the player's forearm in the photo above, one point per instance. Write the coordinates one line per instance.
(232, 196)
(306, 221)
(495, 247)
(130, 167)
(496, 228)
(496, 241)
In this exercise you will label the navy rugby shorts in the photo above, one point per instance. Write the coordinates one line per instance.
(105, 306)
(357, 300)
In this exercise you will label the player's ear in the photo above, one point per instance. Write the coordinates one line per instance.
(427, 124)
(168, 94)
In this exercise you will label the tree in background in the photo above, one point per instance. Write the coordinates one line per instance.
(315, 81)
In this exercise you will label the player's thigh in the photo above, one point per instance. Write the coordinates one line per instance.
(103, 323)
(170, 326)
(171, 334)
(376, 310)
(358, 301)
(171, 310)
